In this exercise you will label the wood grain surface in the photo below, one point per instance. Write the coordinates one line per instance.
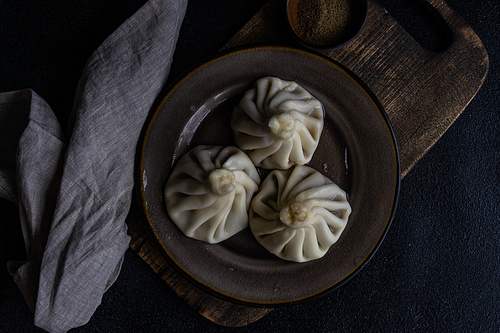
(423, 92)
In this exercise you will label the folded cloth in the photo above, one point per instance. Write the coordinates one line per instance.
(74, 196)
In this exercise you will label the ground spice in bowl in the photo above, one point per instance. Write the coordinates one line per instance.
(326, 24)
(323, 22)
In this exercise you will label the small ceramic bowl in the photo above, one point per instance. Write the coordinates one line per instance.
(326, 25)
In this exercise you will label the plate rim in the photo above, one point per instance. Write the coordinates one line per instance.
(140, 193)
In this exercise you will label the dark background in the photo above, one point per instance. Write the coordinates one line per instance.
(438, 269)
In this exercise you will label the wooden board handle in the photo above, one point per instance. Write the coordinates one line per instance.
(422, 91)
(462, 35)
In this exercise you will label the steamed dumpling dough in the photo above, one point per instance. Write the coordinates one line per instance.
(298, 214)
(278, 124)
(209, 192)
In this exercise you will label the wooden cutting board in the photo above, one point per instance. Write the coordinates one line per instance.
(423, 92)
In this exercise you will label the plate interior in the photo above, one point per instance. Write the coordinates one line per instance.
(357, 151)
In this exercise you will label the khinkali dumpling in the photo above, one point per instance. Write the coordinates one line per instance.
(298, 213)
(209, 192)
(278, 124)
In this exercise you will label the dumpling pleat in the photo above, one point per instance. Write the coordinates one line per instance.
(263, 228)
(190, 170)
(247, 106)
(309, 143)
(335, 224)
(277, 241)
(237, 216)
(324, 235)
(249, 142)
(204, 158)
(243, 171)
(226, 223)
(280, 98)
(327, 192)
(311, 248)
(312, 125)
(264, 152)
(248, 126)
(302, 180)
(268, 209)
(342, 207)
(180, 202)
(189, 186)
(266, 93)
(249, 186)
(295, 246)
(279, 157)
(303, 105)
(204, 222)
(297, 153)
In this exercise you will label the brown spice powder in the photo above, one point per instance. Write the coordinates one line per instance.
(324, 22)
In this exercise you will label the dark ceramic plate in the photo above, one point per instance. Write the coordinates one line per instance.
(357, 150)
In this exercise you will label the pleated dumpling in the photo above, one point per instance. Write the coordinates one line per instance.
(298, 214)
(209, 192)
(278, 124)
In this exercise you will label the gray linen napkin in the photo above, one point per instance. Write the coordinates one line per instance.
(73, 196)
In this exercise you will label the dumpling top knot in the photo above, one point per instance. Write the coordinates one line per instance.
(222, 181)
(283, 125)
(294, 215)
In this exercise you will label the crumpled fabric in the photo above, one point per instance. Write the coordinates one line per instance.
(74, 193)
